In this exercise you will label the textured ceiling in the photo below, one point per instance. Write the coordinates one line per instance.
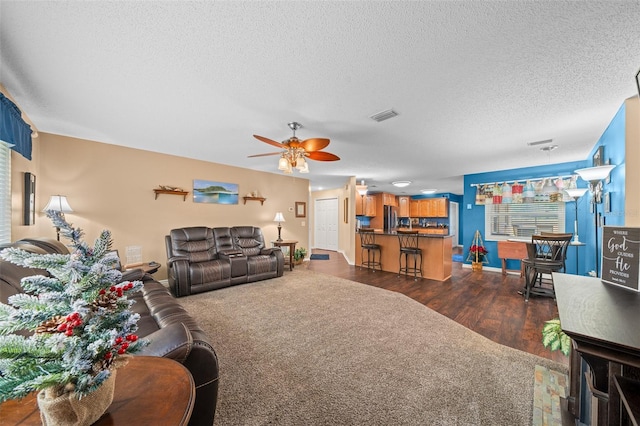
(473, 81)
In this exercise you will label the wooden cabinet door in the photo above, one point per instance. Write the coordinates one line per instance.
(370, 205)
(359, 205)
(426, 207)
(414, 208)
(403, 206)
(389, 200)
(442, 207)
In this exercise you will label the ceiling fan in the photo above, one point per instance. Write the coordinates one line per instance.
(297, 151)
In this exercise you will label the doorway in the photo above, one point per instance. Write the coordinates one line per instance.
(453, 223)
(326, 217)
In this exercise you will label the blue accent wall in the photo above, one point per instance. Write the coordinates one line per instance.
(613, 140)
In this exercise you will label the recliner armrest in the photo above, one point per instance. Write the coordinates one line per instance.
(173, 341)
(173, 259)
(230, 253)
(270, 250)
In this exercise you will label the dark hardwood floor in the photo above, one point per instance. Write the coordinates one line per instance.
(485, 302)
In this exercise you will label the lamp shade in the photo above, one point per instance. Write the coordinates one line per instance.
(595, 174)
(58, 203)
(575, 192)
(279, 217)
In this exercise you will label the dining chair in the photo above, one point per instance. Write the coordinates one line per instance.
(546, 254)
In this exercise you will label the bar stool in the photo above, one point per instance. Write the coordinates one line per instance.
(409, 246)
(368, 243)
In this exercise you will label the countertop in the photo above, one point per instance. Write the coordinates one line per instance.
(421, 232)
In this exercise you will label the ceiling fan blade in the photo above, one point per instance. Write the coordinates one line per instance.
(269, 141)
(314, 144)
(322, 156)
(264, 155)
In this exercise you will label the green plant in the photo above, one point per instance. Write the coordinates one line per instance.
(78, 318)
(554, 338)
(300, 253)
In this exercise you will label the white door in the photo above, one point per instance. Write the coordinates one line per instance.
(453, 223)
(326, 224)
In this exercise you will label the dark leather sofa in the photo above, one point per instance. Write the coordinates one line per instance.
(171, 331)
(202, 259)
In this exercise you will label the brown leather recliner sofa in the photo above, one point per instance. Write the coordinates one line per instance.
(171, 331)
(202, 259)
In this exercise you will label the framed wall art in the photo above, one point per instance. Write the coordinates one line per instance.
(598, 157)
(29, 208)
(206, 191)
(301, 209)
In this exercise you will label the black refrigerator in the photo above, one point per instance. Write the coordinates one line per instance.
(390, 218)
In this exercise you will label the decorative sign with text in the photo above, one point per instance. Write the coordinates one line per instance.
(621, 256)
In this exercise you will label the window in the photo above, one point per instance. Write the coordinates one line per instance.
(505, 221)
(5, 193)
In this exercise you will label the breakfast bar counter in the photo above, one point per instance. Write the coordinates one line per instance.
(436, 253)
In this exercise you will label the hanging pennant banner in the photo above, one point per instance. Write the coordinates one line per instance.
(621, 256)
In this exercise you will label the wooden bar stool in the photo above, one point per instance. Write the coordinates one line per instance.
(368, 243)
(409, 246)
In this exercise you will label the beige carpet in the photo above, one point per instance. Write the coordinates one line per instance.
(312, 349)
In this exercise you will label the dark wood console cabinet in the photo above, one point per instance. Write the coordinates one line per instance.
(603, 322)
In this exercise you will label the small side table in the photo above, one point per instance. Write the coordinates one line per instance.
(148, 267)
(149, 391)
(292, 248)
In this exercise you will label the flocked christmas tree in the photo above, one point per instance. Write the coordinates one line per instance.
(78, 317)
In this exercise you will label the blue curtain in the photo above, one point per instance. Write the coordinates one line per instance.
(13, 129)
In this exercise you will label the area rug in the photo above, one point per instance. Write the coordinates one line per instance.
(313, 349)
(319, 257)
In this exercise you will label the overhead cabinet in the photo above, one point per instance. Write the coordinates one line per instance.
(404, 208)
(429, 207)
(366, 206)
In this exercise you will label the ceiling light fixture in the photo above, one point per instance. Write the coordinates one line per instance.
(429, 191)
(293, 156)
(362, 188)
(401, 183)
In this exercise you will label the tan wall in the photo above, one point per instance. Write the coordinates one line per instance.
(111, 187)
(632, 159)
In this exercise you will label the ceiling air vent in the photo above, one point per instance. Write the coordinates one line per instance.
(384, 115)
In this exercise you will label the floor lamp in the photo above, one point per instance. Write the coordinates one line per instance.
(576, 193)
(595, 176)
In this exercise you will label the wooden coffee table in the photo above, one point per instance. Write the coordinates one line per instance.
(149, 391)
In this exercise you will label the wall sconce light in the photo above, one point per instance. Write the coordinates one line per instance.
(279, 218)
(595, 176)
(60, 204)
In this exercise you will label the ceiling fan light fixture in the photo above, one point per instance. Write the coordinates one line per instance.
(401, 183)
(283, 163)
(304, 169)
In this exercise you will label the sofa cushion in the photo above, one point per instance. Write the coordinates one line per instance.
(207, 272)
(196, 243)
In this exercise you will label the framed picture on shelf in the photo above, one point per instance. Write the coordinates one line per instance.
(598, 157)
(301, 209)
(607, 202)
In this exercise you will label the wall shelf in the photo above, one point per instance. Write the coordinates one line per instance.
(261, 199)
(165, 191)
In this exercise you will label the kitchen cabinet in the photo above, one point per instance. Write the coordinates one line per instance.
(366, 206)
(389, 200)
(404, 209)
(414, 208)
(433, 207)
